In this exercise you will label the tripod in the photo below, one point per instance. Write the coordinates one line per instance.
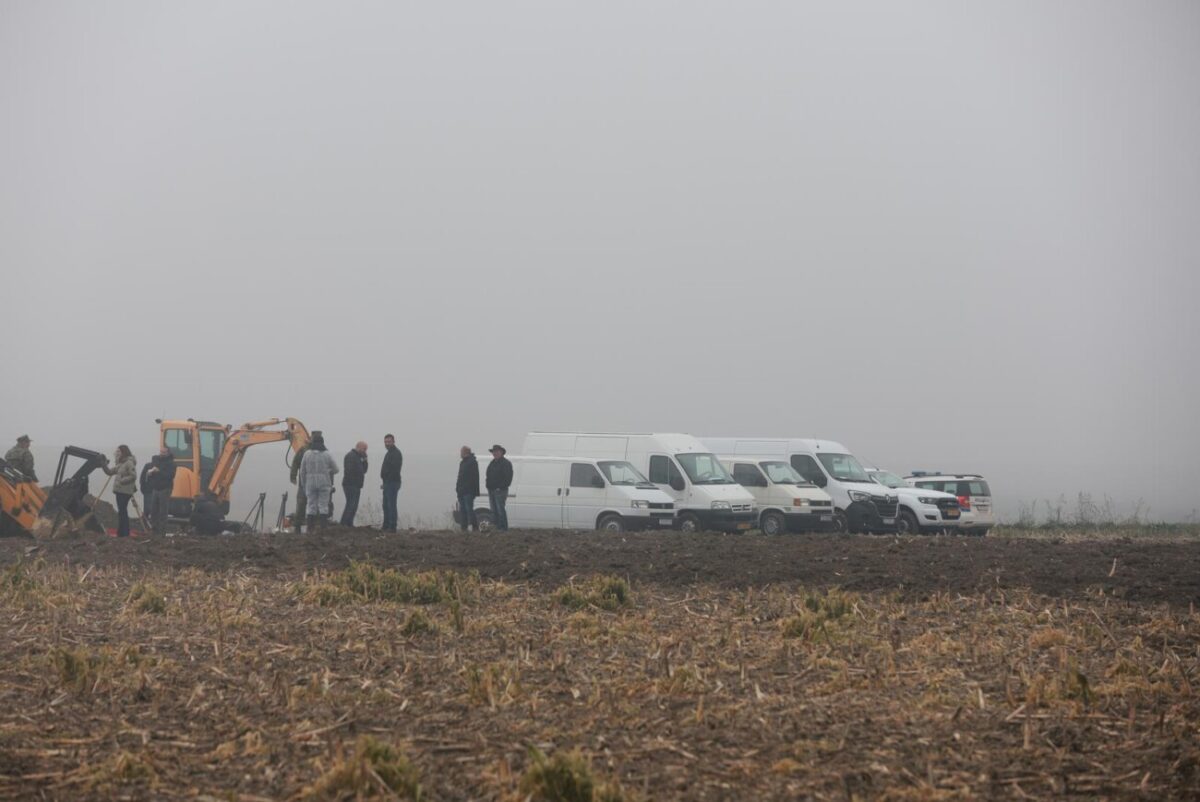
(256, 512)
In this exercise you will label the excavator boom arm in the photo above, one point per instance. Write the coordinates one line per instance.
(252, 434)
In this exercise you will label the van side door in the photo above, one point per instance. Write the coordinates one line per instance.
(666, 474)
(585, 497)
(536, 496)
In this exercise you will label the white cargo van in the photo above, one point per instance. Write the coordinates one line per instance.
(705, 495)
(860, 504)
(786, 501)
(579, 493)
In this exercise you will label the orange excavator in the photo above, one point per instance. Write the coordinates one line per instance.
(207, 458)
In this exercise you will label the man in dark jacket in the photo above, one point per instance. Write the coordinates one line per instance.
(146, 488)
(354, 470)
(467, 488)
(161, 478)
(393, 461)
(499, 477)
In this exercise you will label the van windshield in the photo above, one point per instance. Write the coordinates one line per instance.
(623, 473)
(781, 473)
(887, 479)
(844, 468)
(704, 469)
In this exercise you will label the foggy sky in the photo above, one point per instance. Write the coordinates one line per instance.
(951, 236)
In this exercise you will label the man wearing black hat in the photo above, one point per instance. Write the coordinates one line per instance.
(21, 458)
(499, 477)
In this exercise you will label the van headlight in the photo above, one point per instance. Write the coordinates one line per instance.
(801, 502)
(927, 500)
(858, 495)
(639, 504)
(721, 505)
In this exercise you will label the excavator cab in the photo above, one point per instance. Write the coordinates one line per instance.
(196, 447)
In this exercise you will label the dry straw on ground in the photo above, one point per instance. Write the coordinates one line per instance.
(141, 682)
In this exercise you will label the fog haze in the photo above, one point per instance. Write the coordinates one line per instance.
(951, 236)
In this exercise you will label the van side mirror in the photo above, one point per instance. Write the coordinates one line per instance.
(677, 484)
(820, 480)
(598, 481)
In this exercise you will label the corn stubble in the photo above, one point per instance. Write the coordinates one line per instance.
(367, 682)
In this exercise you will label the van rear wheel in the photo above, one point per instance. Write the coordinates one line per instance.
(611, 523)
(689, 523)
(773, 523)
(483, 521)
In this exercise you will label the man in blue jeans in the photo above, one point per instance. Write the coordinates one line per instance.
(467, 488)
(393, 461)
(499, 477)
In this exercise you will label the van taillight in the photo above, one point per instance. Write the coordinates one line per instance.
(964, 503)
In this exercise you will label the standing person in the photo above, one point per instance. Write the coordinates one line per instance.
(467, 488)
(316, 474)
(301, 499)
(124, 485)
(161, 477)
(393, 461)
(145, 487)
(355, 465)
(499, 477)
(21, 458)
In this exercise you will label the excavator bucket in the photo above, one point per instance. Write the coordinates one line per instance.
(66, 508)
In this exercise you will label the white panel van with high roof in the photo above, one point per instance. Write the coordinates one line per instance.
(860, 503)
(578, 493)
(705, 495)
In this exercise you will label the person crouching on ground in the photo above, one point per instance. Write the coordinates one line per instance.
(467, 488)
(124, 485)
(499, 477)
(355, 464)
(316, 477)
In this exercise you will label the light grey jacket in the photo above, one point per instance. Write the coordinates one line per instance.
(316, 472)
(126, 475)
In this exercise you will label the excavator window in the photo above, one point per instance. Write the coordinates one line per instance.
(180, 443)
(211, 443)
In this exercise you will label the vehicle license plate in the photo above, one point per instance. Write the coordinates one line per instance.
(665, 522)
(826, 517)
(952, 513)
(889, 520)
(744, 526)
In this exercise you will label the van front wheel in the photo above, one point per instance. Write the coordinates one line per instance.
(773, 523)
(611, 523)
(689, 523)
(907, 524)
(840, 524)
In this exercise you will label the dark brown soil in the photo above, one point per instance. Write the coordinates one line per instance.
(915, 567)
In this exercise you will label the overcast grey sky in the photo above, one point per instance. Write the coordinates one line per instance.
(951, 235)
